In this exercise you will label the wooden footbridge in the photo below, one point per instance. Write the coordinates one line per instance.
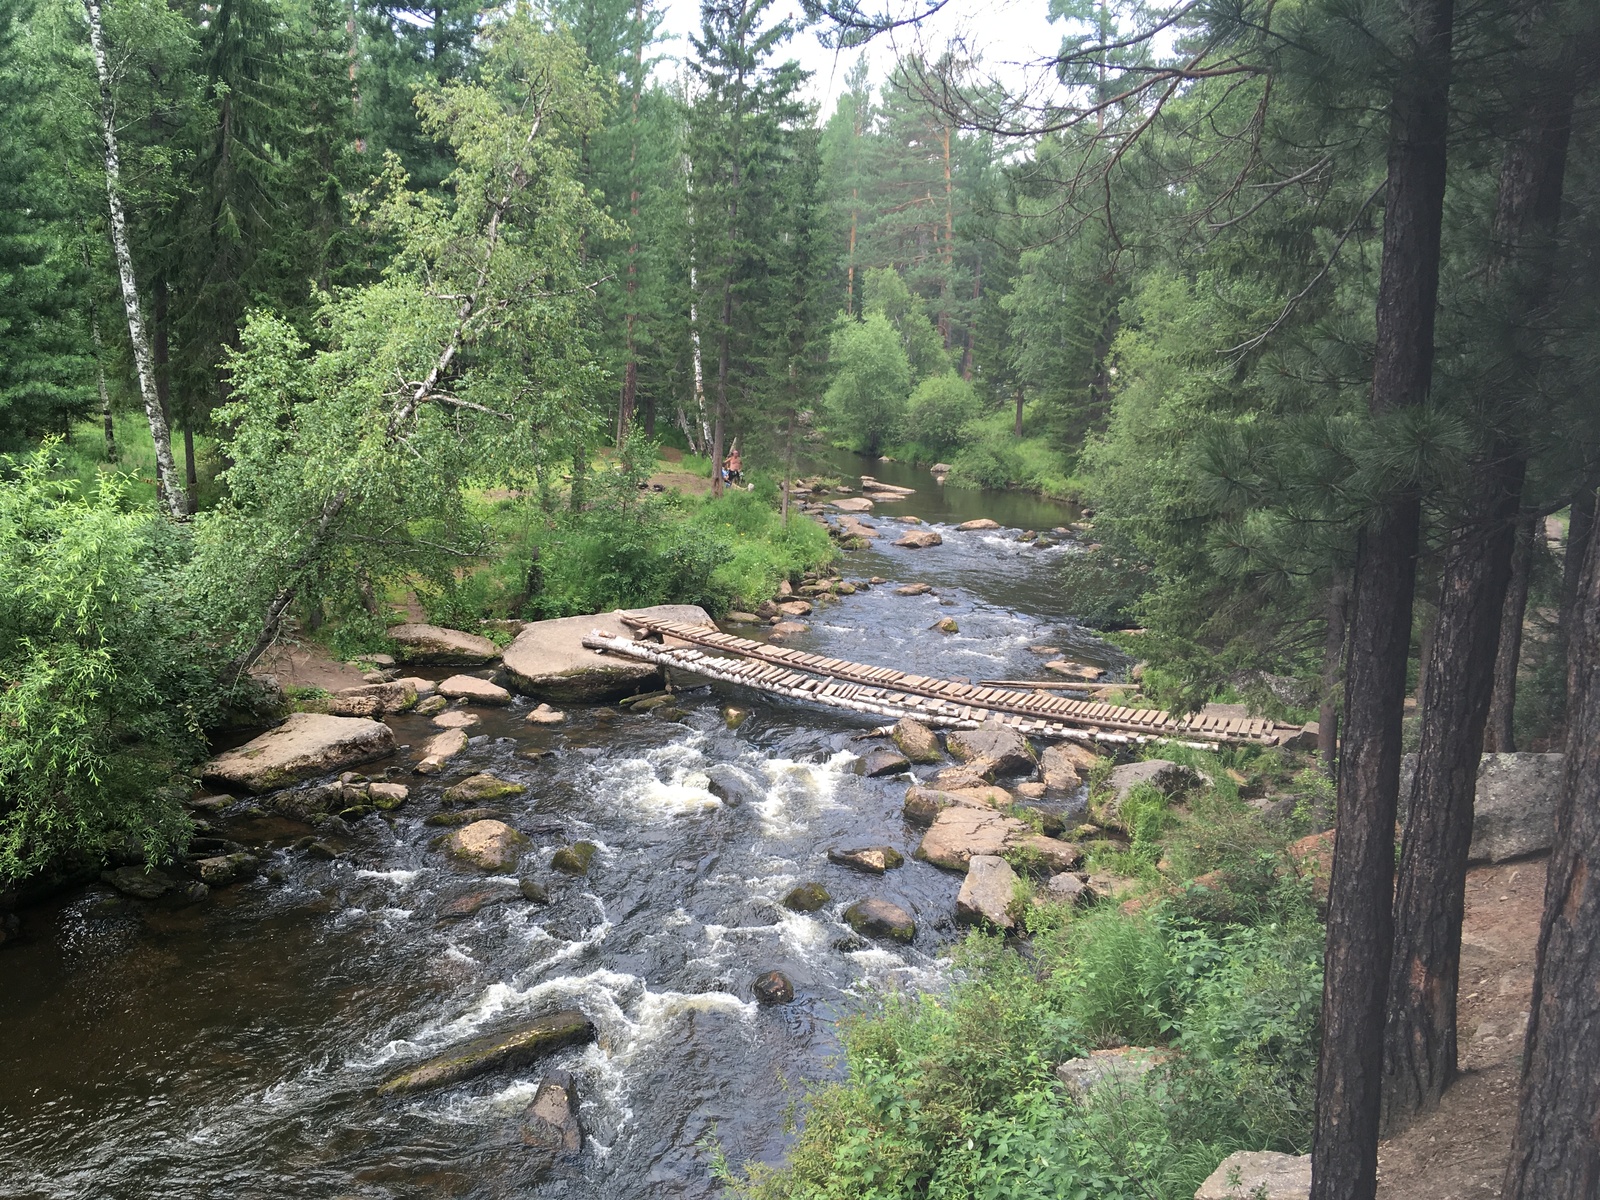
(951, 703)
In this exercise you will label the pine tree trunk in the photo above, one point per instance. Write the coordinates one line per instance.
(160, 433)
(1420, 1036)
(1332, 660)
(1499, 735)
(630, 372)
(189, 473)
(1360, 921)
(1555, 1151)
(1580, 527)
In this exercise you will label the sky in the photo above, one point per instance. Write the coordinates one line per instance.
(1007, 33)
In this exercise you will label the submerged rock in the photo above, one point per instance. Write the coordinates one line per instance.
(987, 892)
(882, 761)
(915, 740)
(533, 891)
(491, 846)
(472, 903)
(465, 816)
(139, 883)
(880, 918)
(545, 715)
(734, 715)
(785, 629)
(511, 1049)
(876, 859)
(574, 859)
(474, 690)
(435, 645)
(482, 786)
(306, 744)
(807, 898)
(773, 987)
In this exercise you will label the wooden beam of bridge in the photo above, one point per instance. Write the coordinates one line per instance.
(886, 692)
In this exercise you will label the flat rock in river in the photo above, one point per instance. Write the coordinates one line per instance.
(442, 647)
(874, 859)
(306, 744)
(987, 892)
(959, 832)
(552, 1119)
(440, 748)
(474, 690)
(919, 539)
(980, 524)
(511, 1049)
(856, 504)
(373, 699)
(475, 789)
(549, 659)
(1064, 766)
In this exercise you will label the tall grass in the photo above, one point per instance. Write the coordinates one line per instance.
(83, 457)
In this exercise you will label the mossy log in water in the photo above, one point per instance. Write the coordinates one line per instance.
(504, 1050)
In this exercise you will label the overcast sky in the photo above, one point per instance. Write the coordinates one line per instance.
(1008, 33)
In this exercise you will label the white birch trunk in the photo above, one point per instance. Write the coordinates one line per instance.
(172, 492)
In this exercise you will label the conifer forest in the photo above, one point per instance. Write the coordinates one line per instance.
(800, 599)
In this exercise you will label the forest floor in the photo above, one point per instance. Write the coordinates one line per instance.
(673, 476)
(1459, 1152)
(303, 663)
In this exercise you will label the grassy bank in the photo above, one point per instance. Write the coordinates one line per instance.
(1215, 963)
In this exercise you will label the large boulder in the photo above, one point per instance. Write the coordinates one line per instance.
(992, 749)
(438, 646)
(987, 892)
(1259, 1175)
(1121, 1067)
(923, 804)
(960, 832)
(1514, 812)
(514, 1048)
(549, 659)
(856, 504)
(881, 761)
(305, 745)
(980, 524)
(491, 846)
(919, 539)
(916, 741)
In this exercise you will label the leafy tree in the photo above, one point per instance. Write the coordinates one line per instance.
(941, 406)
(871, 381)
(106, 677)
(465, 360)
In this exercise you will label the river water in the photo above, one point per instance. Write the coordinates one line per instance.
(231, 1049)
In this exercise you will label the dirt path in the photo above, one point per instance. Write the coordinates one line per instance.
(1459, 1152)
(307, 664)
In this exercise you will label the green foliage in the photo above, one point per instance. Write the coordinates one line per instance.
(941, 406)
(866, 401)
(884, 293)
(106, 679)
(954, 1095)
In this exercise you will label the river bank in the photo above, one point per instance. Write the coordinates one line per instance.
(227, 1045)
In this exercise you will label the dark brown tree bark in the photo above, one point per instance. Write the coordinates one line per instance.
(1555, 1152)
(1332, 660)
(1344, 1153)
(1420, 1036)
(1499, 735)
(1580, 528)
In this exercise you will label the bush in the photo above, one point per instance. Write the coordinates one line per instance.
(940, 408)
(106, 682)
(872, 377)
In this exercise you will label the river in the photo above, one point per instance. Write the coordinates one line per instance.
(231, 1049)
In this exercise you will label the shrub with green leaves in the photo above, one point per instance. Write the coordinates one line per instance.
(940, 408)
(106, 682)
